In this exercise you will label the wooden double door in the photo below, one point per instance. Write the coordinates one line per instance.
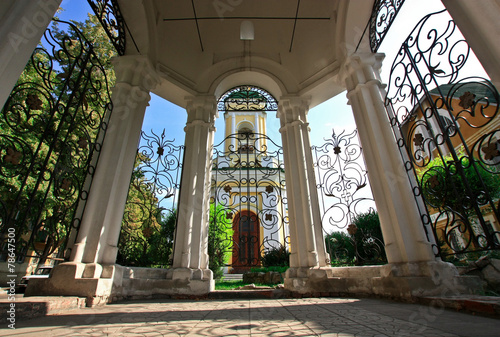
(246, 236)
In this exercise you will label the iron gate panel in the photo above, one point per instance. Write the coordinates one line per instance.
(384, 13)
(109, 15)
(52, 128)
(148, 226)
(447, 128)
(248, 199)
(343, 190)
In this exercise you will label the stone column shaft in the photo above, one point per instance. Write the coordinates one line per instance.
(404, 236)
(478, 22)
(21, 27)
(233, 129)
(101, 223)
(308, 249)
(257, 130)
(192, 225)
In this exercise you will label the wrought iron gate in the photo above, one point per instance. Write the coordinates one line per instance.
(248, 207)
(447, 128)
(345, 198)
(51, 131)
(148, 226)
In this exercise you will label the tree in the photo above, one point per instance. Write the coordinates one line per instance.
(276, 257)
(147, 233)
(458, 188)
(447, 185)
(341, 248)
(49, 128)
(220, 239)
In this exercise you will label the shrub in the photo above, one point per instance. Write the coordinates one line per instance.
(276, 257)
(278, 269)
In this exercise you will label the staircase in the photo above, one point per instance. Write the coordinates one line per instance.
(233, 277)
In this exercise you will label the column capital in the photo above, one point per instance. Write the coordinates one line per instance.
(207, 102)
(292, 109)
(136, 70)
(125, 93)
(201, 110)
(361, 68)
(290, 101)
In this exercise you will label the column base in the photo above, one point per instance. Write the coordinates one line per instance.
(91, 280)
(105, 284)
(138, 283)
(404, 281)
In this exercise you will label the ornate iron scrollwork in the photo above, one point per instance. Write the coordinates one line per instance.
(248, 188)
(51, 132)
(109, 15)
(383, 15)
(447, 129)
(149, 219)
(247, 98)
(342, 182)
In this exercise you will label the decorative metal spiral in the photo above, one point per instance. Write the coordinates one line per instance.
(247, 98)
(152, 198)
(341, 181)
(383, 15)
(52, 128)
(447, 129)
(109, 15)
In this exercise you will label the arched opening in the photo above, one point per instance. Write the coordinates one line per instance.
(248, 184)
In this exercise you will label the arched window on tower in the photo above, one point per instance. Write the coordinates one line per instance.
(245, 135)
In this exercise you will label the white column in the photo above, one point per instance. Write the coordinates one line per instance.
(98, 235)
(478, 22)
(307, 243)
(22, 25)
(233, 130)
(404, 236)
(257, 130)
(191, 239)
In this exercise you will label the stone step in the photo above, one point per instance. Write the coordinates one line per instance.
(233, 277)
(30, 307)
(249, 294)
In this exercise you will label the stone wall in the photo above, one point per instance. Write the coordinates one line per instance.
(271, 277)
(487, 269)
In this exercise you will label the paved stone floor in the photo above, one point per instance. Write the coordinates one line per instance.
(273, 317)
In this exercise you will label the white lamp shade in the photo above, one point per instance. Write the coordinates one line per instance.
(246, 30)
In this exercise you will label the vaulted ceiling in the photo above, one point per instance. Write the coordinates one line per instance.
(299, 46)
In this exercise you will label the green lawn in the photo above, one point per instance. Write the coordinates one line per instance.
(230, 285)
